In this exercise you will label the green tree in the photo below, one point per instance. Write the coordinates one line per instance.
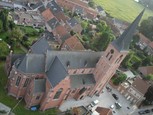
(120, 77)
(4, 50)
(149, 77)
(1, 26)
(84, 24)
(4, 18)
(146, 27)
(91, 3)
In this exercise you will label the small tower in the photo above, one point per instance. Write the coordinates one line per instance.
(113, 56)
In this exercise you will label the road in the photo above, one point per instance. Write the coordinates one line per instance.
(6, 4)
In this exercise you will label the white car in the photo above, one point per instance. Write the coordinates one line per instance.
(93, 103)
(112, 106)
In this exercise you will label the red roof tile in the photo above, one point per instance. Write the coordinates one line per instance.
(47, 14)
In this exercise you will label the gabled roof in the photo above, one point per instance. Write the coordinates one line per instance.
(78, 10)
(47, 14)
(73, 43)
(72, 22)
(143, 38)
(146, 70)
(60, 31)
(141, 85)
(40, 47)
(39, 85)
(31, 63)
(53, 23)
(78, 81)
(41, 9)
(56, 72)
(123, 42)
(151, 44)
(104, 111)
(74, 59)
(54, 7)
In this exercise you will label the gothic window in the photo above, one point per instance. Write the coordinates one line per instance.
(119, 59)
(107, 55)
(110, 57)
(18, 81)
(68, 64)
(85, 63)
(58, 93)
(26, 82)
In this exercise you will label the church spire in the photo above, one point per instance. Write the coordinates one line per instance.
(123, 42)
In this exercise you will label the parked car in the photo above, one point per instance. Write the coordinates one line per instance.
(144, 111)
(112, 106)
(118, 105)
(93, 103)
(115, 96)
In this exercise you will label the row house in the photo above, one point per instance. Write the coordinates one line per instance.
(134, 91)
(45, 78)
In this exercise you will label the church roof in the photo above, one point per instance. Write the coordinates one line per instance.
(123, 42)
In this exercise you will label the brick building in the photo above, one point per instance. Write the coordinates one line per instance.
(134, 92)
(47, 78)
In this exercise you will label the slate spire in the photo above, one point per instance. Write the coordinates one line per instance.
(123, 42)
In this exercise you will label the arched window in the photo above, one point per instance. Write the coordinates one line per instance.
(58, 93)
(110, 54)
(110, 57)
(119, 59)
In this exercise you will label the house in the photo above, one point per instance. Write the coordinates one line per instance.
(52, 24)
(103, 111)
(78, 7)
(72, 43)
(101, 11)
(47, 14)
(74, 25)
(129, 74)
(46, 79)
(59, 32)
(121, 25)
(135, 91)
(143, 41)
(145, 70)
(149, 49)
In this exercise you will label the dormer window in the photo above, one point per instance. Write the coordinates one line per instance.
(85, 64)
(68, 63)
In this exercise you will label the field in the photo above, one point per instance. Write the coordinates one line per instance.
(125, 10)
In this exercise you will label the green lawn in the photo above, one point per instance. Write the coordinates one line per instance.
(11, 102)
(123, 9)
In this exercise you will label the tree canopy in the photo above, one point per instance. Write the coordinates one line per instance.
(119, 78)
(146, 28)
(4, 50)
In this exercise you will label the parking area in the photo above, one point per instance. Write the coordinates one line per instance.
(105, 100)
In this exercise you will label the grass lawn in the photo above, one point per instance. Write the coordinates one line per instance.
(123, 9)
(11, 102)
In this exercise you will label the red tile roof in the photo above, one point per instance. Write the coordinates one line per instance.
(104, 111)
(60, 31)
(144, 38)
(146, 70)
(151, 44)
(73, 43)
(47, 14)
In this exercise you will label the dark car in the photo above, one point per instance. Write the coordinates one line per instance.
(144, 112)
(141, 112)
(147, 111)
(115, 96)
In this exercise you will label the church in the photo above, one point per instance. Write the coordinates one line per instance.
(46, 78)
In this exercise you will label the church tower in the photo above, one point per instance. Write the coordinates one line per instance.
(113, 56)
